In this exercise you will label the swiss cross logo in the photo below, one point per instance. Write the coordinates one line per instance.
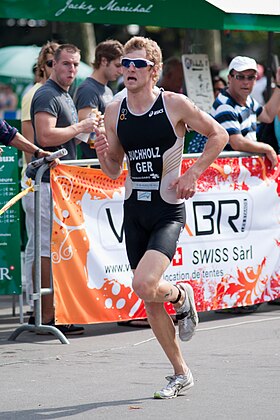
(178, 257)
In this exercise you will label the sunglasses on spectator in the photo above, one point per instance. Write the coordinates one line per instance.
(242, 77)
(49, 63)
(138, 63)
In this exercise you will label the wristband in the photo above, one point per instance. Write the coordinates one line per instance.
(37, 152)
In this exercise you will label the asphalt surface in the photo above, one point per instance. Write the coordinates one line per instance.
(112, 371)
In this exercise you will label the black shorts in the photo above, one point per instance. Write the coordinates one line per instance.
(150, 227)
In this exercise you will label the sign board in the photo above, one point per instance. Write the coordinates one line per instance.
(10, 263)
(198, 80)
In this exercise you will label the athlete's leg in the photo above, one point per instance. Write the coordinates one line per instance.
(149, 286)
(148, 283)
(164, 330)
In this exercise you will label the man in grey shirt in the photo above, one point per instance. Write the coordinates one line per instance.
(94, 92)
(55, 122)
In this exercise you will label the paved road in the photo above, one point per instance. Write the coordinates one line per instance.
(111, 372)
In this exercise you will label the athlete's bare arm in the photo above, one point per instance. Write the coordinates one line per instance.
(184, 112)
(107, 145)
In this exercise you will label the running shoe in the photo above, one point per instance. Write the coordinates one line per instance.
(176, 384)
(186, 315)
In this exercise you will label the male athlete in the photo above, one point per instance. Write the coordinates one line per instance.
(149, 128)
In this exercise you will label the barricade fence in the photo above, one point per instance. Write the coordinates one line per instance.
(218, 252)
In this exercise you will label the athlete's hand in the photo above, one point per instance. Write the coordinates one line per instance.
(100, 144)
(185, 185)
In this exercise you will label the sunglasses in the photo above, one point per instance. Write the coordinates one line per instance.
(138, 63)
(241, 77)
(49, 63)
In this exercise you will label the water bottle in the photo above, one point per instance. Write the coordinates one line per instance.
(92, 136)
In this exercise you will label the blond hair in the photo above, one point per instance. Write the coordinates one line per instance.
(153, 51)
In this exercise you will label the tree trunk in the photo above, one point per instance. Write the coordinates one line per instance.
(80, 34)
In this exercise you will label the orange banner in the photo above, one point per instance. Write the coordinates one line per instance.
(236, 208)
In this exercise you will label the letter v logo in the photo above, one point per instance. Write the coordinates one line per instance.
(111, 223)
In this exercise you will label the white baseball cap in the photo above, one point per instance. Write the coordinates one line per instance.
(240, 63)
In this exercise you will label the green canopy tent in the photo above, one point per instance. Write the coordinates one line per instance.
(16, 64)
(199, 14)
(194, 14)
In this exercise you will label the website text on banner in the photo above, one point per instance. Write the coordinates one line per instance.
(229, 250)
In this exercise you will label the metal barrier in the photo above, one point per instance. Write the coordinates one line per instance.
(38, 290)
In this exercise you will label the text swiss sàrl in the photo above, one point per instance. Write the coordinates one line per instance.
(219, 255)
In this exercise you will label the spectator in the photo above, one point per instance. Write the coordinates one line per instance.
(219, 85)
(236, 100)
(94, 92)
(56, 125)
(43, 71)
(172, 75)
(237, 111)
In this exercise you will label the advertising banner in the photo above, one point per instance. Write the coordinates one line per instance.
(10, 264)
(229, 250)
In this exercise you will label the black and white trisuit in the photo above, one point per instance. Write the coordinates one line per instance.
(153, 216)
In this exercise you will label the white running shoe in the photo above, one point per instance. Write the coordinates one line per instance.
(176, 383)
(186, 315)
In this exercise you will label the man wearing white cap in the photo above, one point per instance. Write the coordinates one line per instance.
(237, 111)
